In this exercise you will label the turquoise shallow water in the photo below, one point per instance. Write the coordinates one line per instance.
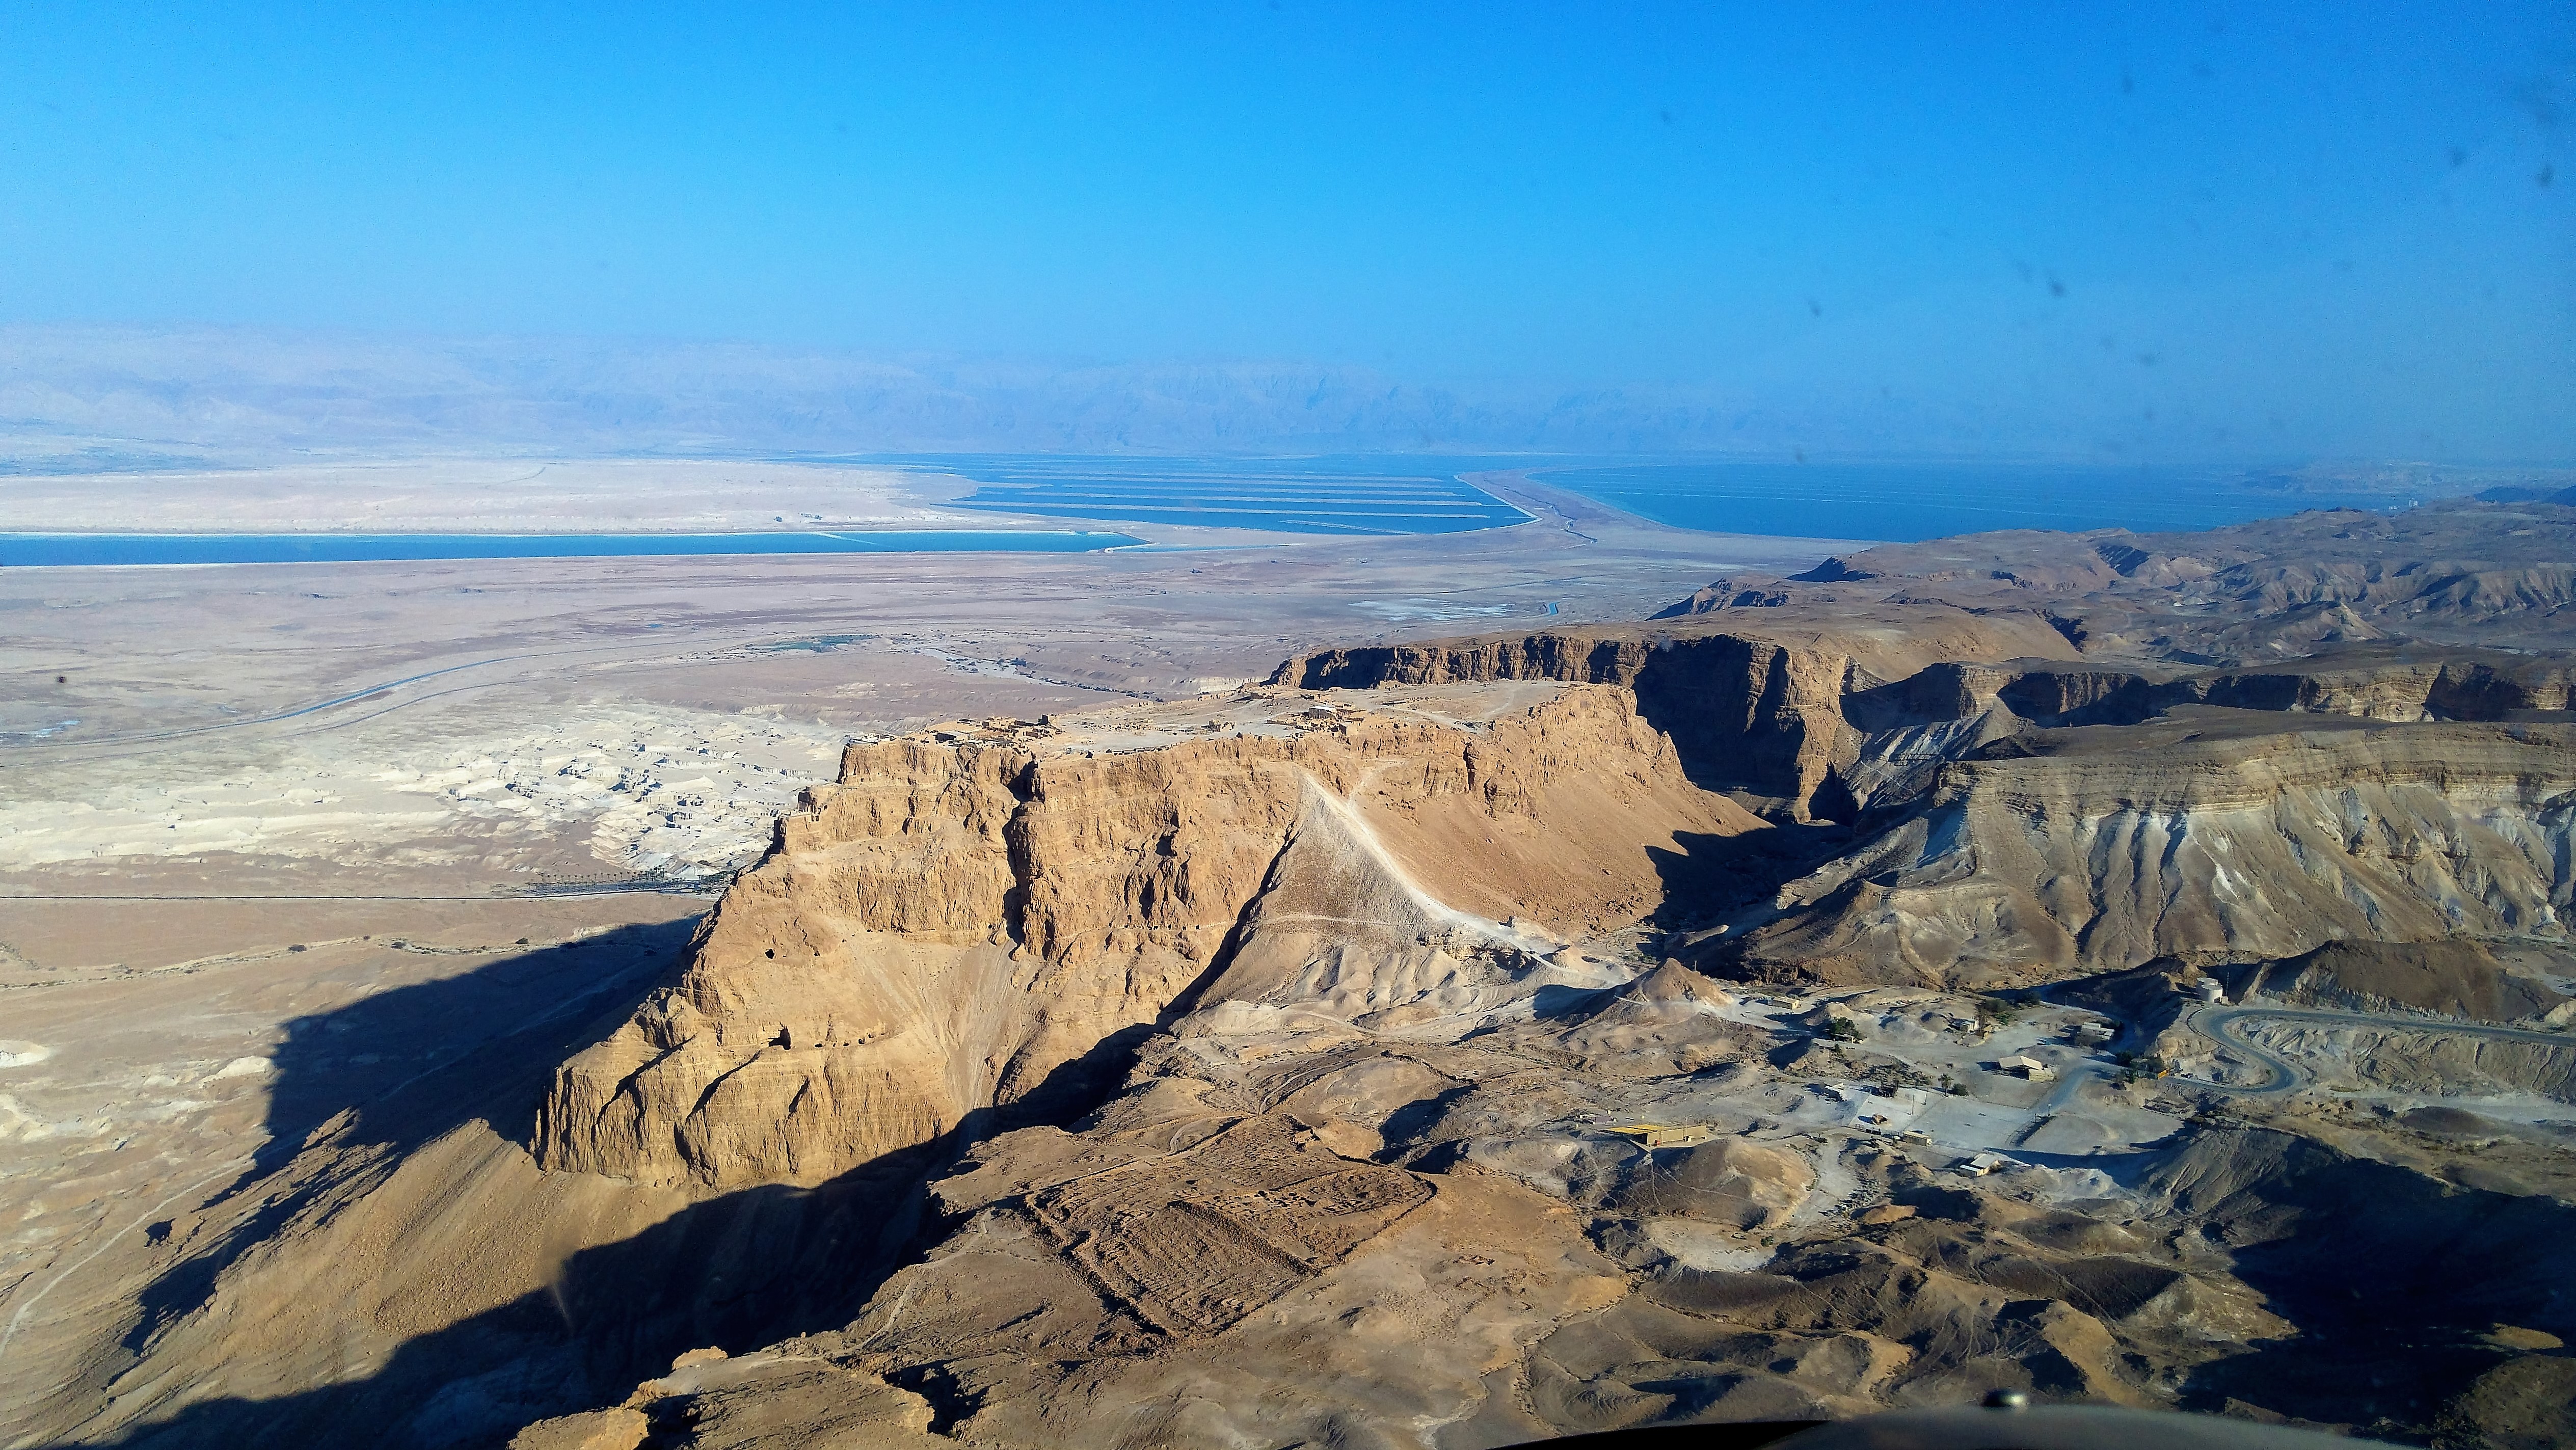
(1351, 496)
(1909, 502)
(23, 550)
(1359, 495)
(1422, 494)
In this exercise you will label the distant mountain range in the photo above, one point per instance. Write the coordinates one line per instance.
(76, 399)
(84, 398)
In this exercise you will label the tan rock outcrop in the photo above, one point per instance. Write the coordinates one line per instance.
(613, 1429)
(949, 925)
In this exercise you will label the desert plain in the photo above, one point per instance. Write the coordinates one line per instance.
(1274, 988)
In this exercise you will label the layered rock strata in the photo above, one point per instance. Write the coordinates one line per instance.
(2022, 870)
(1752, 711)
(1827, 723)
(949, 925)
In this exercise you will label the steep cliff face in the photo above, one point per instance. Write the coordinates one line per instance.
(1759, 712)
(951, 924)
(1899, 734)
(2392, 687)
(2024, 870)
(838, 995)
(1828, 722)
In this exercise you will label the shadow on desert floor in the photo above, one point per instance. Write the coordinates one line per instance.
(1711, 876)
(2396, 1303)
(735, 1271)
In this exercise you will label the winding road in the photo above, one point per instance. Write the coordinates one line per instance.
(2213, 1024)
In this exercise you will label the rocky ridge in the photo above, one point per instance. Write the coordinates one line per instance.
(951, 926)
(2456, 572)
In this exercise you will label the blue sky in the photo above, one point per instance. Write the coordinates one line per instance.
(2207, 230)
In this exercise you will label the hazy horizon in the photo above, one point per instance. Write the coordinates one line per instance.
(73, 398)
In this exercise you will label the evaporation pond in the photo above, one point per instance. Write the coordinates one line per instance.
(1402, 494)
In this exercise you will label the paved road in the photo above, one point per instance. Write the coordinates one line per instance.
(2214, 1023)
